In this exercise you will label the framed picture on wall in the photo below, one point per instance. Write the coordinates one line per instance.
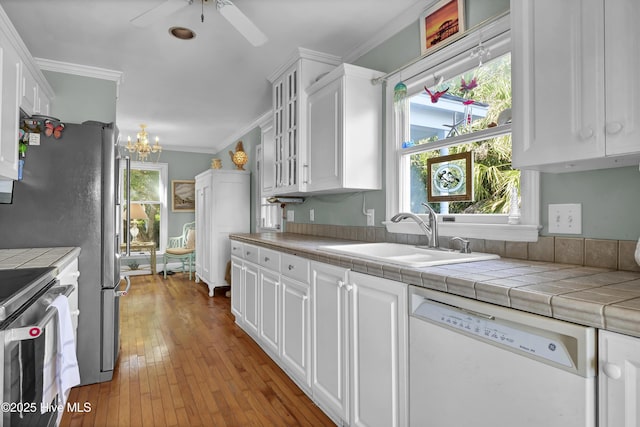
(450, 178)
(183, 195)
(439, 22)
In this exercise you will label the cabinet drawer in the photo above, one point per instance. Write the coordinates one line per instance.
(251, 253)
(295, 267)
(270, 259)
(237, 249)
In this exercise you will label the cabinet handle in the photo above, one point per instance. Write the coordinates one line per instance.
(586, 133)
(612, 370)
(248, 253)
(291, 267)
(614, 127)
(305, 169)
(266, 259)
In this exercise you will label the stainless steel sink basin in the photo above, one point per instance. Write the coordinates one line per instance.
(407, 255)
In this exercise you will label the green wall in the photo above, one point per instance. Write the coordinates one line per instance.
(78, 99)
(182, 166)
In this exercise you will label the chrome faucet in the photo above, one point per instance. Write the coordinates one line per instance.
(430, 230)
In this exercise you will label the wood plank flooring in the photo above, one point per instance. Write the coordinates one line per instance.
(184, 362)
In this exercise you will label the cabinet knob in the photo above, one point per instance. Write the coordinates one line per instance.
(613, 128)
(586, 133)
(248, 253)
(291, 267)
(340, 283)
(266, 259)
(612, 370)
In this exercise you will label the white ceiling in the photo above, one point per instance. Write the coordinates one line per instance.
(202, 94)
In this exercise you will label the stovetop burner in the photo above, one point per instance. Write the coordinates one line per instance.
(17, 286)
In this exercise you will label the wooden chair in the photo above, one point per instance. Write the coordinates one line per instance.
(182, 248)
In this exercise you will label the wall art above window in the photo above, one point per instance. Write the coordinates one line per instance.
(439, 22)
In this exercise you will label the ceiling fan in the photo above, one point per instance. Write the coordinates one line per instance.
(226, 8)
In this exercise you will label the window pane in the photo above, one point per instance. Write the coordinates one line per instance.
(145, 184)
(148, 229)
(465, 103)
(493, 177)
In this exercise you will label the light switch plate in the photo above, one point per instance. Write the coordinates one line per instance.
(371, 217)
(312, 215)
(290, 216)
(565, 218)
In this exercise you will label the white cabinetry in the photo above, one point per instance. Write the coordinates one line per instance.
(330, 339)
(222, 208)
(344, 114)
(267, 162)
(69, 276)
(289, 116)
(618, 380)
(574, 84)
(379, 356)
(22, 85)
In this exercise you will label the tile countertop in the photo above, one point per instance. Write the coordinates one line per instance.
(58, 257)
(598, 297)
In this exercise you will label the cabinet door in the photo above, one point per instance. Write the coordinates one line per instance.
(28, 91)
(250, 298)
(236, 288)
(270, 310)
(378, 351)
(9, 112)
(618, 380)
(296, 329)
(324, 110)
(203, 221)
(558, 81)
(330, 326)
(622, 61)
(267, 163)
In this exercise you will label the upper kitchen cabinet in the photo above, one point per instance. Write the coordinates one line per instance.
(22, 86)
(575, 85)
(344, 112)
(289, 114)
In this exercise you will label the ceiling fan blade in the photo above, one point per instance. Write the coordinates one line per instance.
(147, 18)
(241, 23)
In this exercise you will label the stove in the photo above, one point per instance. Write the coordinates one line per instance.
(21, 285)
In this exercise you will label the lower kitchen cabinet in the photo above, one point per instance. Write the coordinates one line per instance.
(296, 331)
(330, 339)
(270, 310)
(379, 351)
(618, 380)
(340, 335)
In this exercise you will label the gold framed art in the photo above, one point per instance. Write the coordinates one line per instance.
(183, 195)
(450, 178)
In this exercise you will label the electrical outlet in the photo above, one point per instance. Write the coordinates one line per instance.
(565, 218)
(371, 217)
(290, 216)
(312, 215)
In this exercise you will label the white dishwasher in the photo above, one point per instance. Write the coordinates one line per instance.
(474, 364)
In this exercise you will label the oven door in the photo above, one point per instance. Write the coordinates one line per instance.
(24, 341)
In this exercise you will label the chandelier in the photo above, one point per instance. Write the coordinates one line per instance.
(142, 148)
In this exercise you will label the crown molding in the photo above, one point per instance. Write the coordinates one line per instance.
(80, 70)
(393, 27)
(303, 53)
(242, 132)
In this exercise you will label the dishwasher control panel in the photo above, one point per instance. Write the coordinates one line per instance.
(487, 328)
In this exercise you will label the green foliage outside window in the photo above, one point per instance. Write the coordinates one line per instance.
(145, 189)
(493, 176)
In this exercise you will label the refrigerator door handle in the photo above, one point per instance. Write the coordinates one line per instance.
(126, 290)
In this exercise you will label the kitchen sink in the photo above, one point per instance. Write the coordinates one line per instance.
(406, 255)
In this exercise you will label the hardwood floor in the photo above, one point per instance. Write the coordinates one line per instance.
(184, 362)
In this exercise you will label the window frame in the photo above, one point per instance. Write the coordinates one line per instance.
(451, 60)
(163, 168)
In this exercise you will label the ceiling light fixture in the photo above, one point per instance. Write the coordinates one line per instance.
(142, 147)
(182, 33)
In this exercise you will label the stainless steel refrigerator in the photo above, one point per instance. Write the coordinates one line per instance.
(68, 197)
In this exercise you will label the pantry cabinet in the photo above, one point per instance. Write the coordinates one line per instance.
(574, 84)
(344, 114)
(222, 208)
(618, 380)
